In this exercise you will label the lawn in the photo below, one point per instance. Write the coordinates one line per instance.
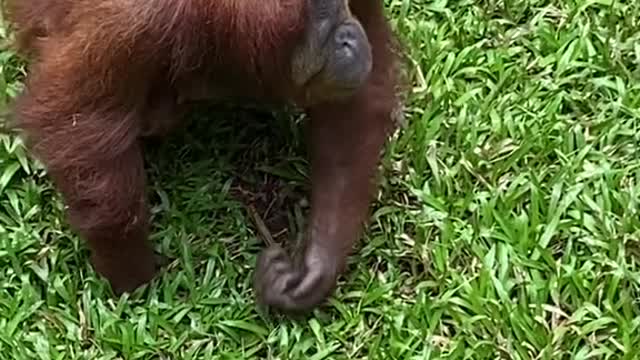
(507, 224)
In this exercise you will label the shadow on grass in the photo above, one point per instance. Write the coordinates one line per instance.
(249, 156)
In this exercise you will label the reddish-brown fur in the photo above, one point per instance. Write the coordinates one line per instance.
(106, 72)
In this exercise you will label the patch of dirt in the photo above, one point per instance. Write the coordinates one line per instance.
(274, 207)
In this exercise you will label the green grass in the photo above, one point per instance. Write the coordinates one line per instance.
(507, 225)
